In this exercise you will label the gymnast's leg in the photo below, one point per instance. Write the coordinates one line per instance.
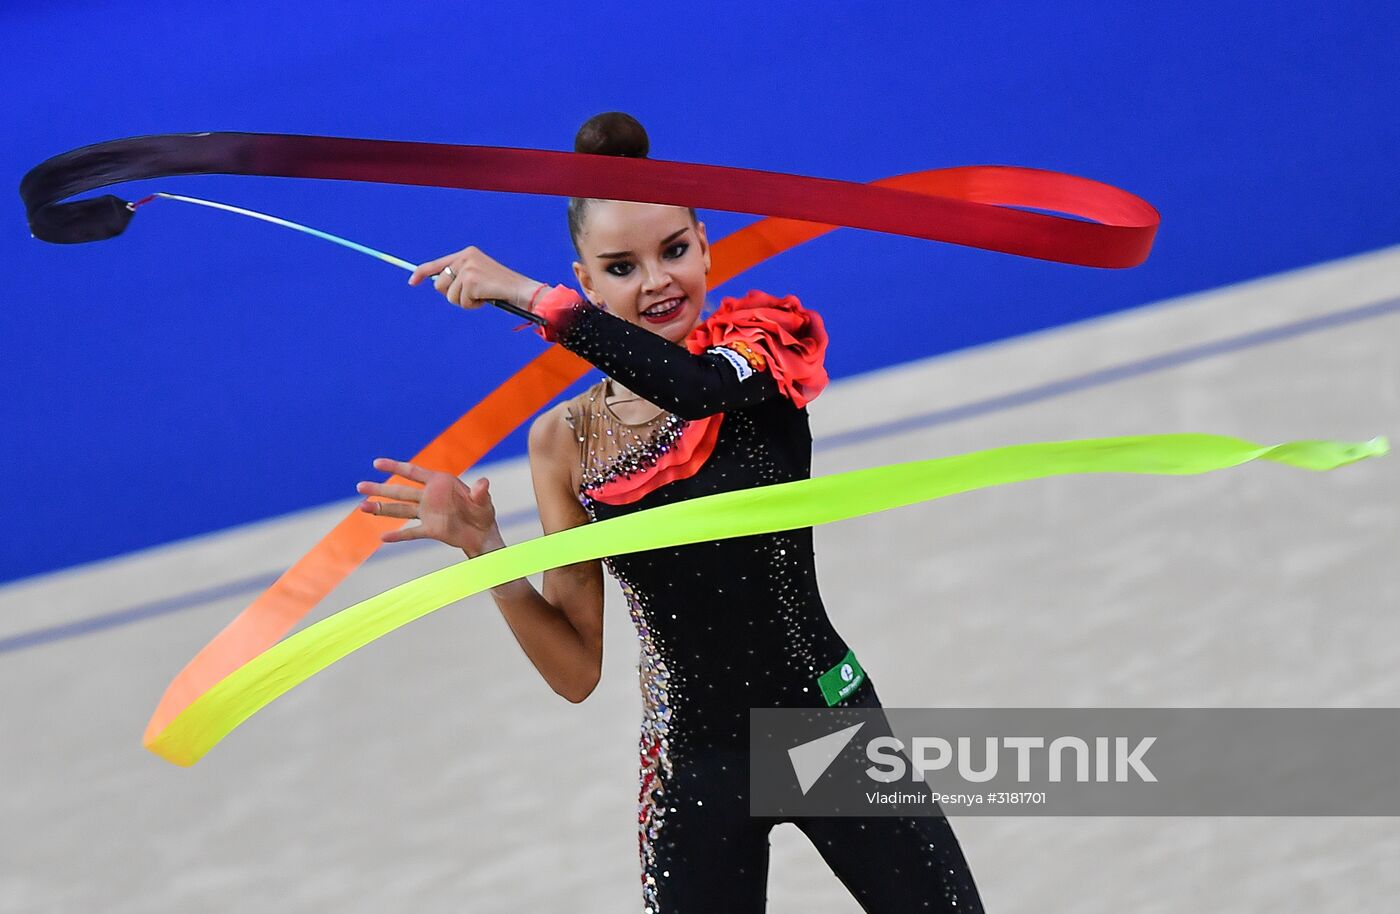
(896, 864)
(707, 854)
(892, 864)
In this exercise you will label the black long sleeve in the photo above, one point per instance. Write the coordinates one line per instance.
(663, 372)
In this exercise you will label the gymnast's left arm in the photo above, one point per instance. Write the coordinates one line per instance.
(690, 385)
(748, 351)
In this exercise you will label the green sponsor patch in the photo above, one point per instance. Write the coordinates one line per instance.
(842, 679)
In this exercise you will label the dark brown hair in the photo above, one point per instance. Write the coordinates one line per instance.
(611, 133)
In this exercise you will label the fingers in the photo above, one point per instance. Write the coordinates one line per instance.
(431, 267)
(404, 534)
(403, 468)
(452, 284)
(480, 490)
(410, 494)
(468, 278)
(456, 288)
(389, 509)
(402, 493)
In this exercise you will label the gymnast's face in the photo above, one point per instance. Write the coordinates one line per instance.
(646, 262)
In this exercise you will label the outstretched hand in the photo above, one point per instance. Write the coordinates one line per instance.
(450, 511)
(469, 279)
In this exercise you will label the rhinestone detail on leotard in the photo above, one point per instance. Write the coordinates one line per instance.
(654, 744)
(635, 456)
(605, 456)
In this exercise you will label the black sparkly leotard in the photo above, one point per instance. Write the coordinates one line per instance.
(729, 625)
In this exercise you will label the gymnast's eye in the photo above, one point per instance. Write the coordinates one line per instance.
(682, 245)
(620, 268)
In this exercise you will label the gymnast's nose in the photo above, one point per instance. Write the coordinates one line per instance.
(657, 277)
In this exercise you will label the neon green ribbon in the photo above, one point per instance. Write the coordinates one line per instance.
(766, 509)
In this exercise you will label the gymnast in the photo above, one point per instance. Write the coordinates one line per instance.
(690, 406)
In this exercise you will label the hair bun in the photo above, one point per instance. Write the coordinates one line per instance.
(612, 133)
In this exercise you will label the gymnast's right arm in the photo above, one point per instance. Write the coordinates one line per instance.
(561, 630)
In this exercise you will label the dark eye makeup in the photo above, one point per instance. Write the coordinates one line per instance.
(674, 252)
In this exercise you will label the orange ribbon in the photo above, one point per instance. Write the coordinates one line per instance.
(278, 609)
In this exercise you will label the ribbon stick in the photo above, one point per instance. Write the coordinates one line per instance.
(326, 236)
(765, 509)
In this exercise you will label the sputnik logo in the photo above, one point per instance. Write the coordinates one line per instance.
(811, 759)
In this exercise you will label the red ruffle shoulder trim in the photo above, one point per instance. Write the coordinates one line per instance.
(688, 452)
(791, 338)
(778, 333)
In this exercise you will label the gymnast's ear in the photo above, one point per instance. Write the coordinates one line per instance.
(704, 243)
(585, 282)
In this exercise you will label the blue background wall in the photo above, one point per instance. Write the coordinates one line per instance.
(205, 370)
